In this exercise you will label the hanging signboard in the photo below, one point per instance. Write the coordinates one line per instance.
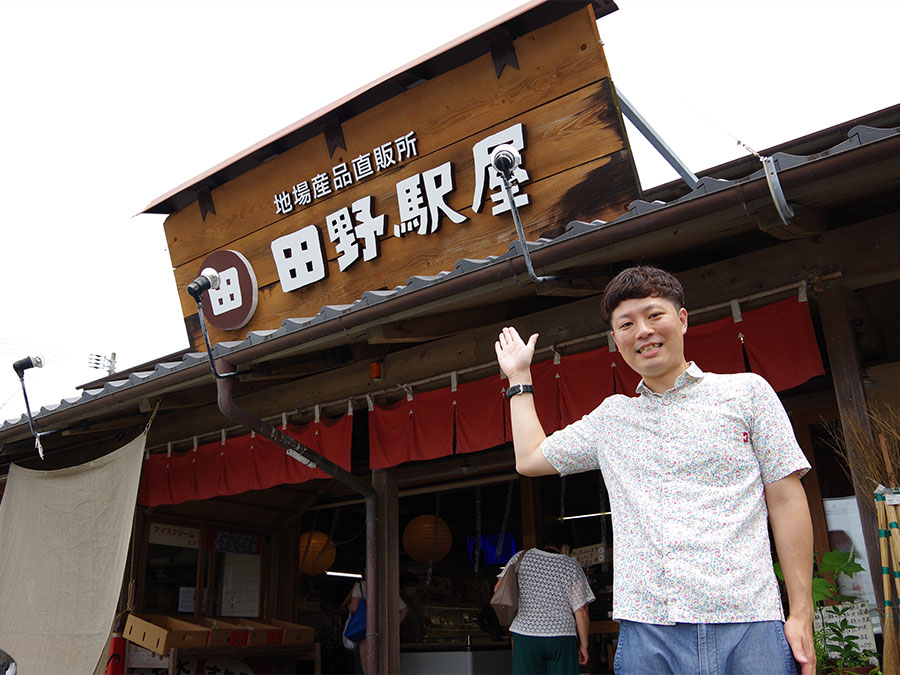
(412, 191)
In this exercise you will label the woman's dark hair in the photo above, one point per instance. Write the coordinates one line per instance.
(640, 282)
(557, 535)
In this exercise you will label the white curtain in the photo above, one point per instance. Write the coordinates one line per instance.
(64, 539)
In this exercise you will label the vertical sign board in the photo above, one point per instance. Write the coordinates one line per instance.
(413, 192)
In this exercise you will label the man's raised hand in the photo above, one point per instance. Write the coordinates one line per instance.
(513, 354)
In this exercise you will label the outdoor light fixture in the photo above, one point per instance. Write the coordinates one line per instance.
(350, 575)
(208, 280)
(505, 159)
(20, 367)
(588, 515)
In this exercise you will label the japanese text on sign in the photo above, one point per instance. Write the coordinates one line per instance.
(322, 184)
(422, 200)
(174, 535)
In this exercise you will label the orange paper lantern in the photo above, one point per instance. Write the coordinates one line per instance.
(419, 538)
(317, 552)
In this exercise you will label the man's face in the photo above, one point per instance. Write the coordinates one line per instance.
(649, 333)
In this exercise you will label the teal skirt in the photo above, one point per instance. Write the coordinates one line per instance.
(550, 655)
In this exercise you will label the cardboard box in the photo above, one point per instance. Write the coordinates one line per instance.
(223, 633)
(160, 633)
(261, 634)
(294, 633)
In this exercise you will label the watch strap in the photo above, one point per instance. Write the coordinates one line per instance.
(519, 389)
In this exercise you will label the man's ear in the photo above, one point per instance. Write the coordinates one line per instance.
(683, 317)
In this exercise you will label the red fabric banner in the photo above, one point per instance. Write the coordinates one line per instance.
(626, 380)
(407, 431)
(585, 379)
(781, 343)
(715, 346)
(241, 464)
(479, 414)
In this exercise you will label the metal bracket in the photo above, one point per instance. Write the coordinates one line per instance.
(334, 136)
(205, 202)
(656, 141)
(785, 212)
(503, 51)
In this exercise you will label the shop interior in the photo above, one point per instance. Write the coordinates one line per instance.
(256, 552)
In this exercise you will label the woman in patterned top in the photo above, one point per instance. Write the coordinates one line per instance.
(550, 631)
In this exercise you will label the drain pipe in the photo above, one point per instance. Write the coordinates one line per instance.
(307, 456)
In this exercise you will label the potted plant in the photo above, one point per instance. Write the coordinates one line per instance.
(837, 648)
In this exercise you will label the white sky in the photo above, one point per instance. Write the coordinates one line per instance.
(108, 105)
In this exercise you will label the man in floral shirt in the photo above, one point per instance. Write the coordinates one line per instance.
(696, 467)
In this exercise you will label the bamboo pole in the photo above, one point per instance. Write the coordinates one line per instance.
(891, 655)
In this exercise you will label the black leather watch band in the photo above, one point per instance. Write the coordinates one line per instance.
(519, 389)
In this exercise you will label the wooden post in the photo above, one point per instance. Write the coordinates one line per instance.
(801, 422)
(851, 400)
(385, 484)
(286, 553)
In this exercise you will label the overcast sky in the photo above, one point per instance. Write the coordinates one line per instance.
(108, 105)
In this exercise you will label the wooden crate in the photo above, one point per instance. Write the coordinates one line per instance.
(223, 633)
(295, 633)
(161, 633)
(261, 634)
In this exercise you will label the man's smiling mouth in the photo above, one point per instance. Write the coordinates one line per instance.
(650, 347)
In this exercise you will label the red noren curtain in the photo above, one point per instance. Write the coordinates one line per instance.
(779, 341)
(243, 463)
(411, 430)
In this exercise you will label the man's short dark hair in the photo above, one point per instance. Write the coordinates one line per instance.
(558, 535)
(640, 282)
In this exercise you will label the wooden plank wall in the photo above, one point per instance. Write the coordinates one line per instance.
(576, 156)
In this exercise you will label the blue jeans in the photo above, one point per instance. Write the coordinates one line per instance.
(705, 649)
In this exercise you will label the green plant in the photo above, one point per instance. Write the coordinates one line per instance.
(840, 645)
(837, 649)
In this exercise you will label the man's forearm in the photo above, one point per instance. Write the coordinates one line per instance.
(528, 434)
(792, 534)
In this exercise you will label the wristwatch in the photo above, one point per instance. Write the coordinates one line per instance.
(519, 389)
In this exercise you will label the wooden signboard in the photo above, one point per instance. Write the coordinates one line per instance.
(413, 192)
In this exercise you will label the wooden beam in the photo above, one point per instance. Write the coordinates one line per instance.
(851, 401)
(806, 222)
(385, 484)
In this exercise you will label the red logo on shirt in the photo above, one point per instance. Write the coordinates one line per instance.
(746, 437)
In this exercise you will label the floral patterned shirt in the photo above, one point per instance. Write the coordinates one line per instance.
(685, 471)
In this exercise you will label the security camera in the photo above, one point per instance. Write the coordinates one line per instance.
(505, 159)
(22, 365)
(208, 279)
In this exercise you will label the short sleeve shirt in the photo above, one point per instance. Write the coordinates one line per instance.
(685, 471)
(551, 588)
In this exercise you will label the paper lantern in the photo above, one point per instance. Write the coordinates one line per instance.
(319, 556)
(419, 538)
